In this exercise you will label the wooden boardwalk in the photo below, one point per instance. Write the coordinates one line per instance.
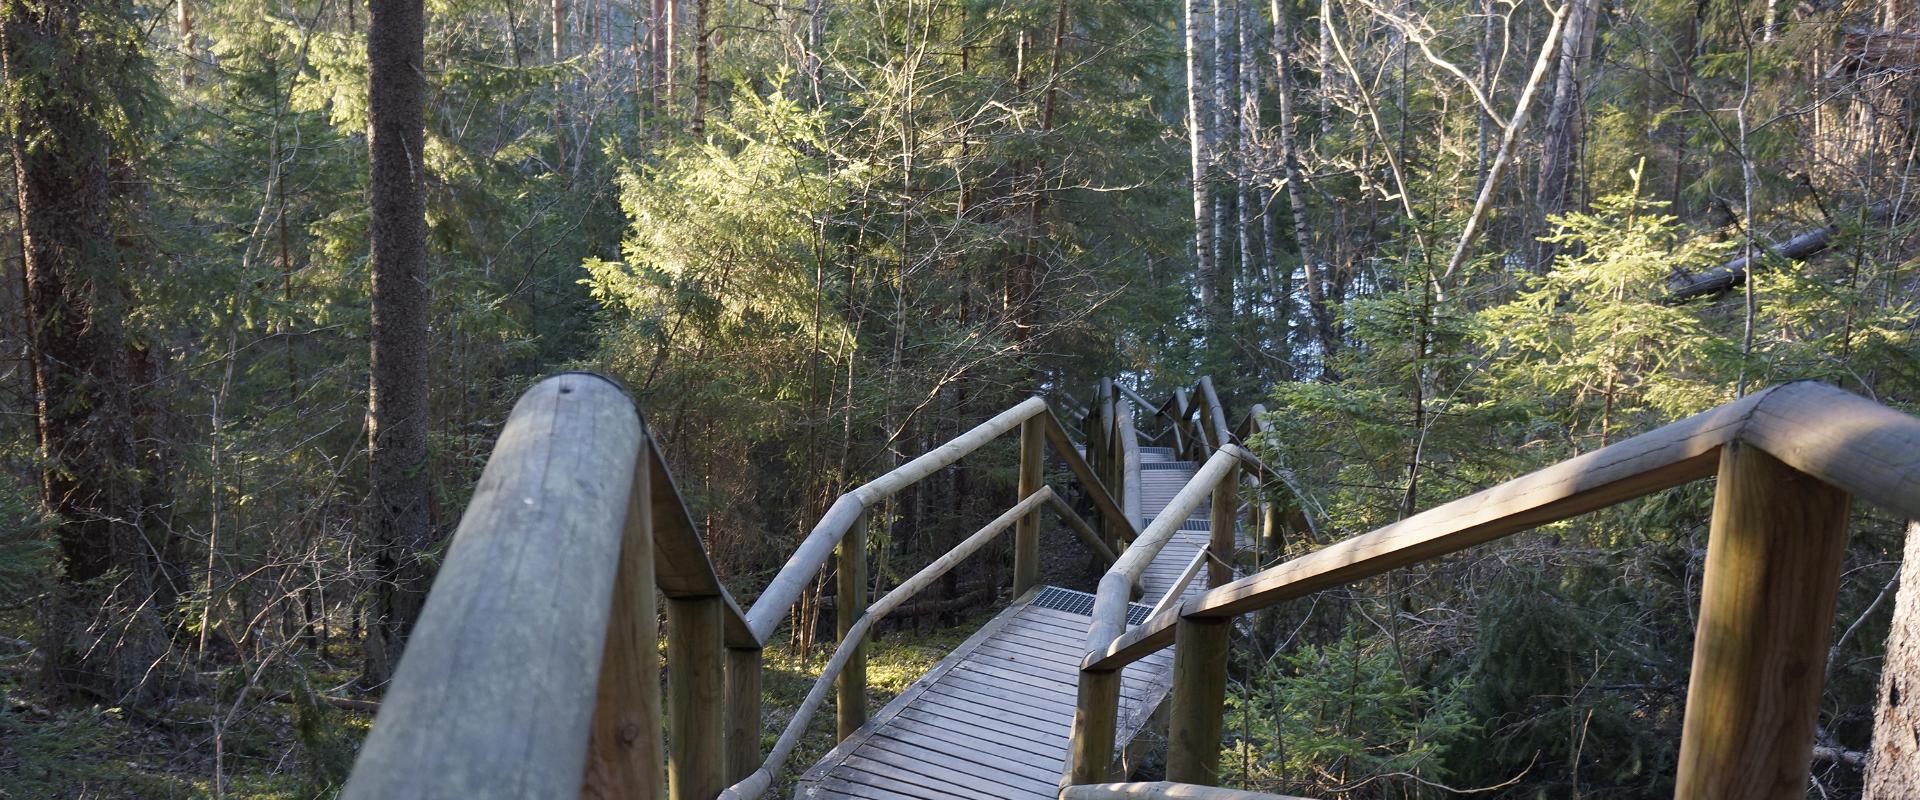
(992, 718)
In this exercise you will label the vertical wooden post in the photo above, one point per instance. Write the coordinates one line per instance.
(1026, 533)
(1095, 718)
(696, 696)
(1093, 432)
(1269, 522)
(624, 752)
(1766, 612)
(850, 703)
(1199, 698)
(743, 712)
(1223, 518)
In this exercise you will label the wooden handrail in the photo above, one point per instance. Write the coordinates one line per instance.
(1787, 458)
(1110, 601)
(526, 590)
(1129, 468)
(1090, 480)
(1867, 449)
(1212, 415)
(681, 566)
(778, 598)
(770, 610)
(761, 779)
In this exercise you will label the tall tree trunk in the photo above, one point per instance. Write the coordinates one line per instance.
(62, 73)
(1197, 139)
(397, 405)
(1515, 125)
(1314, 267)
(1220, 312)
(183, 22)
(1893, 763)
(1246, 122)
(1560, 141)
(701, 43)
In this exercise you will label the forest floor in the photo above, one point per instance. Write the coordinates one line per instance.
(283, 743)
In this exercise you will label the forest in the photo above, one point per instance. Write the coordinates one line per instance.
(277, 270)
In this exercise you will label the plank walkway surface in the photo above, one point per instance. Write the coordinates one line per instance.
(992, 718)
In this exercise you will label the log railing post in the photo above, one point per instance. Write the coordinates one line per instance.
(850, 688)
(696, 695)
(743, 712)
(1199, 698)
(1026, 533)
(1223, 519)
(624, 753)
(1095, 720)
(1766, 612)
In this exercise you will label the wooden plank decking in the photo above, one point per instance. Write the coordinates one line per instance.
(992, 718)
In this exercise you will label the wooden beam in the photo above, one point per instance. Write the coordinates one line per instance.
(1129, 479)
(1110, 601)
(777, 599)
(1660, 459)
(1096, 718)
(1223, 523)
(696, 699)
(1760, 649)
(850, 603)
(1083, 472)
(525, 590)
(757, 783)
(1212, 414)
(625, 755)
(1867, 449)
(1199, 700)
(1164, 790)
(1026, 533)
(743, 712)
(682, 568)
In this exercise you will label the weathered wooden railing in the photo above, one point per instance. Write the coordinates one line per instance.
(533, 670)
(1787, 460)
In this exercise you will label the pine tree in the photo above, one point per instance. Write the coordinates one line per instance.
(402, 527)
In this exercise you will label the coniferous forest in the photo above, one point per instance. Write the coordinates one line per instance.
(275, 271)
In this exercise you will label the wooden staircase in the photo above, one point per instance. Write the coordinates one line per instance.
(534, 670)
(992, 719)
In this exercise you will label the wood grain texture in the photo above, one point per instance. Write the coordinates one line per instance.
(1760, 648)
(495, 694)
(696, 699)
(1199, 699)
(625, 753)
(1223, 516)
(850, 685)
(1026, 532)
(744, 668)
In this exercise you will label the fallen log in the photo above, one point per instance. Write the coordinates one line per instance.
(1683, 285)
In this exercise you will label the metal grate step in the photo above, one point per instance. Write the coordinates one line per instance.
(1153, 465)
(1081, 603)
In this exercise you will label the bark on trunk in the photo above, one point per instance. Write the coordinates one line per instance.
(103, 636)
(397, 451)
(1893, 763)
(1221, 309)
(1196, 16)
(1560, 141)
(700, 53)
(1317, 309)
